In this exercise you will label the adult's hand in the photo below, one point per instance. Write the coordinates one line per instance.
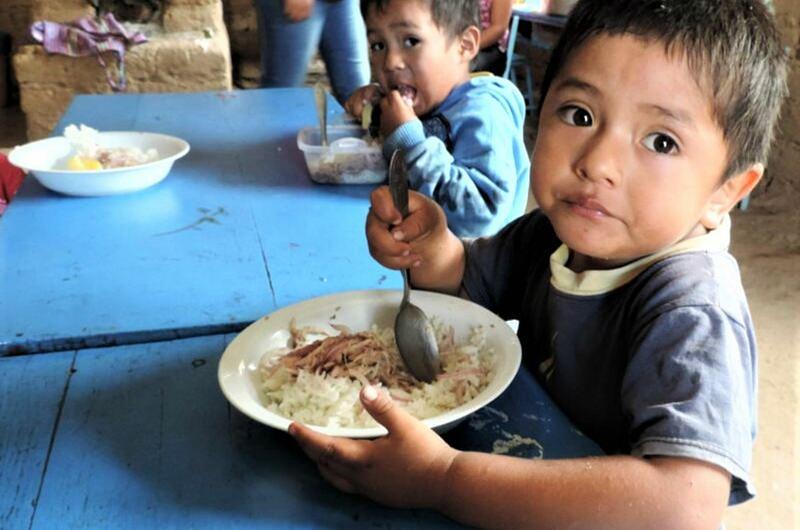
(297, 10)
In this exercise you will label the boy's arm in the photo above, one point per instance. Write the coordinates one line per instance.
(614, 492)
(479, 183)
(412, 467)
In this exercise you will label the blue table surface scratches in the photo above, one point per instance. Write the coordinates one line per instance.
(235, 231)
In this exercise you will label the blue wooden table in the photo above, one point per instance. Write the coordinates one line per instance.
(137, 296)
(140, 436)
(235, 231)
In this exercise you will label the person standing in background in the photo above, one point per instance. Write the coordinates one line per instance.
(495, 16)
(292, 31)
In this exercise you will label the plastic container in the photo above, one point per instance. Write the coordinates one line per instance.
(348, 158)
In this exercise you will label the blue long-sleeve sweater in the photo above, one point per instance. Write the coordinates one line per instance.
(483, 183)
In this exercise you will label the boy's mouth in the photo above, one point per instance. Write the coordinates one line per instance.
(407, 92)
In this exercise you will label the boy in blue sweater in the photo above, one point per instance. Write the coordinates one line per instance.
(462, 136)
(656, 120)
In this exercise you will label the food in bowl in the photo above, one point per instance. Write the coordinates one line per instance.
(317, 379)
(89, 156)
(349, 158)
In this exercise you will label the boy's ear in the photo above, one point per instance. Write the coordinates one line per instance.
(733, 190)
(469, 43)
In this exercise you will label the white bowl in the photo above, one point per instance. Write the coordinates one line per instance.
(47, 161)
(238, 368)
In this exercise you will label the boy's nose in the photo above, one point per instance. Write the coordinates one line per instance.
(600, 158)
(393, 60)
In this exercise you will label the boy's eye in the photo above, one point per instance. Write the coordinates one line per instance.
(661, 143)
(577, 116)
(375, 46)
(410, 42)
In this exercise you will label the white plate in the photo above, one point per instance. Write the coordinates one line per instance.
(238, 368)
(47, 161)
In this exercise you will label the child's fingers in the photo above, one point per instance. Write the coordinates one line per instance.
(339, 482)
(382, 235)
(425, 217)
(381, 407)
(358, 100)
(387, 250)
(382, 206)
(342, 454)
(353, 106)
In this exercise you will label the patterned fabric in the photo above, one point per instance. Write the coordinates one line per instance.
(486, 21)
(89, 36)
(437, 126)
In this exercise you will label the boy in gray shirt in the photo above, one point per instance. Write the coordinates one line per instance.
(656, 120)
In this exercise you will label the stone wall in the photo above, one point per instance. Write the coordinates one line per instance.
(15, 18)
(188, 51)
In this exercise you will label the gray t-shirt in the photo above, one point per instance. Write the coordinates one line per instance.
(657, 358)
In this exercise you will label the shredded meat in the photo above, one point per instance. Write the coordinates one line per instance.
(359, 356)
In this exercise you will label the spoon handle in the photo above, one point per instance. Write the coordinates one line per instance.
(398, 182)
(398, 186)
(322, 111)
(406, 288)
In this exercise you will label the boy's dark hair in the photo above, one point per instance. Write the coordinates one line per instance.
(732, 47)
(453, 16)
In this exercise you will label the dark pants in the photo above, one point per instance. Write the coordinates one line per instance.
(490, 59)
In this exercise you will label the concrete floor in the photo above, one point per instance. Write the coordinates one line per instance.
(767, 246)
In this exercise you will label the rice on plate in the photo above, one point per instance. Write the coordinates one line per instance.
(89, 155)
(318, 382)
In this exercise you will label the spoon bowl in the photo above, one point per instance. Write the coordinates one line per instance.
(416, 340)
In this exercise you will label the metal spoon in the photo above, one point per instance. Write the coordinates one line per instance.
(322, 111)
(416, 340)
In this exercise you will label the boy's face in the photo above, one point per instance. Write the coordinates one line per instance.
(411, 54)
(629, 159)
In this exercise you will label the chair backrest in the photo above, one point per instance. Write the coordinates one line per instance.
(512, 41)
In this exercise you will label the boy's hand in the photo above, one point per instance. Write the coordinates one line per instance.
(407, 468)
(400, 243)
(421, 241)
(395, 111)
(358, 99)
(297, 10)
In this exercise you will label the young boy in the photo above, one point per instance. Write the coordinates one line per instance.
(462, 137)
(656, 120)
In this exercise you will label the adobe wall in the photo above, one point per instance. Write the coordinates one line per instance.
(187, 51)
(780, 189)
